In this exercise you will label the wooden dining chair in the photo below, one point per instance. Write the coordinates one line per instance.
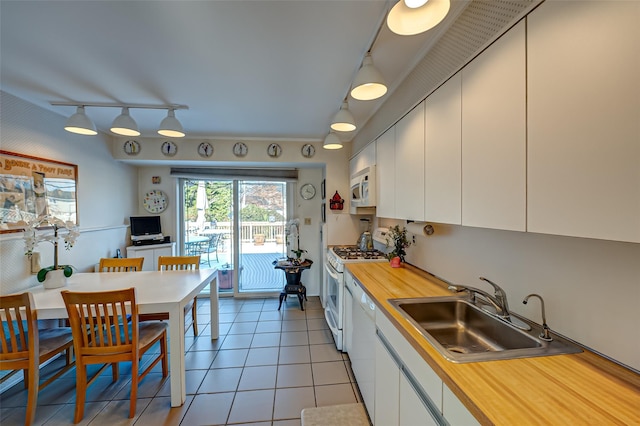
(114, 264)
(25, 348)
(102, 335)
(178, 263)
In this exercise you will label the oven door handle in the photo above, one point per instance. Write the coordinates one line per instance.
(332, 273)
(330, 322)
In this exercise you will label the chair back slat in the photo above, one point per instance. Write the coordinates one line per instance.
(178, 263)
(19, 327)
(127, 264)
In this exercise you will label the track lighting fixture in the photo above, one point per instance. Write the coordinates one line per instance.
(343, 121)
(369, 83)
(81, 124)
(409, 17)
(170, 126)
(123, 124)
(332, 141)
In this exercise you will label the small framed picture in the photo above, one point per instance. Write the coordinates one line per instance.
(155, 180)
(323, 189)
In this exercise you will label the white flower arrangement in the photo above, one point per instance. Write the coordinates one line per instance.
(292, 230)
(50, 229)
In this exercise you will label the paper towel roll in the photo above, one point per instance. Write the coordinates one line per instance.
(420, 228)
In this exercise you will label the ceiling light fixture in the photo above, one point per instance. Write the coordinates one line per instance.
(332, 141)
(125, 125)
(170, 126)
(80, 123)
(369, 83)
(409, 17)
(343, 121)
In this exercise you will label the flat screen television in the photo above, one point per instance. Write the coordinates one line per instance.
(145, 225)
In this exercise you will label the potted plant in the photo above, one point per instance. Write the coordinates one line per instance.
(397, 238)
(51, 229)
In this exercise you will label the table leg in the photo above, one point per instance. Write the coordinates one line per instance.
(176, 356)
(215, 315)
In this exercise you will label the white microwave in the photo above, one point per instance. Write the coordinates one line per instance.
(363, 188)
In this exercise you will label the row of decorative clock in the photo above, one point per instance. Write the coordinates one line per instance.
(155, 201)
(205, 149)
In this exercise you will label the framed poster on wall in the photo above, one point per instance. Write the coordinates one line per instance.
(31, 187)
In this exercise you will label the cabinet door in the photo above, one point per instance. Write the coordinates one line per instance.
(386, 173)
(387, 389)
(454, 411)
(409, 186)
(443, 145)
(493, 135)
(365, 158)
(583, 115)
(412, 409)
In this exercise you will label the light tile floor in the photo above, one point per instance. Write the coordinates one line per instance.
(264, 369)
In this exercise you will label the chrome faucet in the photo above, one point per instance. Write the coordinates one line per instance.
(544, 335)
(498, 300)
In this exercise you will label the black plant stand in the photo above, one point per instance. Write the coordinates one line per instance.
(293, 274)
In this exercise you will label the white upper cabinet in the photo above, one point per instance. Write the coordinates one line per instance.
(409, 161)
(386, 173)
(442, 161)
(493, 135)
(584, 119)
(364, 159)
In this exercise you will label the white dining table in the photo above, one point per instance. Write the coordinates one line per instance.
(156, 291)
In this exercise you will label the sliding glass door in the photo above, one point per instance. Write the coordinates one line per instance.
(262, 207)
(238, 228)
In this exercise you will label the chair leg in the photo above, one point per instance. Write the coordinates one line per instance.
(194, 317)
(81, 391)
(32, 392)
(165, 358)
(133, 399)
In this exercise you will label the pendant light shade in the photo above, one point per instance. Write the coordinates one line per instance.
(125, 125)
(369, 83)
(170, 126)
(343, 120)
(409, 17)
(332, 141)
(81, 124)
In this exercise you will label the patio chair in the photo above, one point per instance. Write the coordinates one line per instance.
(212, 245)
(172, 263)
(113, 264)
(101, 335)
(25, 348)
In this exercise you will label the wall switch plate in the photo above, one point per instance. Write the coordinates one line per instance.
(307, 221)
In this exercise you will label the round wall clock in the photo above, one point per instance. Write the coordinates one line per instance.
(308, 150)
(308, 191)
(274, 150)
(240, 149)
(131, 147)
(205, 149)
(169, 148)
(155, 201)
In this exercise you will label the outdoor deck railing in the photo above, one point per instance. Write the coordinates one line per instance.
(248, 230)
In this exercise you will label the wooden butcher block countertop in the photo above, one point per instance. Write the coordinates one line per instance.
(576, 389)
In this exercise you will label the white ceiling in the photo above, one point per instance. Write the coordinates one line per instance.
(263, 68)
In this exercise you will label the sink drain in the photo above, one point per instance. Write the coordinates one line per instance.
(458, 350)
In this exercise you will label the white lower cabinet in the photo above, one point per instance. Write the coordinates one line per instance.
(151, 253)
(454, 411)
(407, 391)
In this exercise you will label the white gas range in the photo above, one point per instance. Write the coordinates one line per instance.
(334, 286)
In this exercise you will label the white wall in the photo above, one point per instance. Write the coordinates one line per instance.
(591, 287)
(107, 190)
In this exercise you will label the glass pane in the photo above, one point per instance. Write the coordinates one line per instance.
(263, 210)
(208, 213)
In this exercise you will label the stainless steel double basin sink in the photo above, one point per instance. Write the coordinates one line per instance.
(463, 332)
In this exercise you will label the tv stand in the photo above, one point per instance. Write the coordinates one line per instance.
(151, 252)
